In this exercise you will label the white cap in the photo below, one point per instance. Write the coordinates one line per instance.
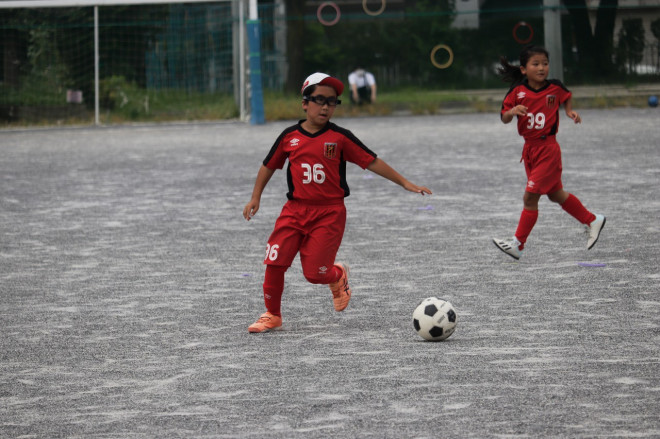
(323, 79)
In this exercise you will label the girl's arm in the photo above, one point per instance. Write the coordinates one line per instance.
(381, 168)
(263, 177)
(518, 110)
(568, 107)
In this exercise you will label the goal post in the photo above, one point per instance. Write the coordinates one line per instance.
(254, 41)
(235, 71)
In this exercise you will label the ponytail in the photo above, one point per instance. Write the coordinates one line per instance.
(508, 72)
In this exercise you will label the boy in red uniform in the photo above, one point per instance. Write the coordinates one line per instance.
(312, 221)
(535, 100)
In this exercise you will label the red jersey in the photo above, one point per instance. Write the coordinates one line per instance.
(317, 162)
(542, 118)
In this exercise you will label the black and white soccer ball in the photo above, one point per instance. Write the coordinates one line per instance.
(434, 319)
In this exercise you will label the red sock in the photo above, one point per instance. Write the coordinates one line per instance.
(574, 207)
(525, 225)
(335, 274)
(273, 288)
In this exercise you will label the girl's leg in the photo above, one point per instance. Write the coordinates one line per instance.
(571, 204)
(528, 217)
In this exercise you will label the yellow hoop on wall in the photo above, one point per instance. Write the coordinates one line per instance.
(373, 13)
(449, 51)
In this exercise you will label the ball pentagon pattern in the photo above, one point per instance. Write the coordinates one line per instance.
(434, 319)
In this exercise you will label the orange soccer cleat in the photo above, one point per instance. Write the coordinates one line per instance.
(267, 322)
(341, 292)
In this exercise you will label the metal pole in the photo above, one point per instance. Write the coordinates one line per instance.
(97, 119)
(552, 31)
(241, 60)
(257, 114)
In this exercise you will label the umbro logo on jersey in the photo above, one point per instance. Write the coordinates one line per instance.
(521, 95)
(330, 150)
(294, 142)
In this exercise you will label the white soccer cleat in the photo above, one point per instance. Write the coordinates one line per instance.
(511, 248)
(594, 230)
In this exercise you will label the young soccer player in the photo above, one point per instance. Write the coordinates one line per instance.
(534, 100)
(313, 218)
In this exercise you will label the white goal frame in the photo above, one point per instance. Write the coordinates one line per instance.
(242, 49)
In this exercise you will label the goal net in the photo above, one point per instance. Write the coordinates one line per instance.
(121, 61)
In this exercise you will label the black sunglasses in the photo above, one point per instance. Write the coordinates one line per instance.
(322, 100)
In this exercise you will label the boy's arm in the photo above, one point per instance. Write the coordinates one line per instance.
(568, 107)
(263, 177)
(381, 168)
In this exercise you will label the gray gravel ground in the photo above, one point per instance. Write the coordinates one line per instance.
(128, 279)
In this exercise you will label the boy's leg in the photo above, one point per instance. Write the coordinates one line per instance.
(319, 250)
(273, 288)
(283, 245)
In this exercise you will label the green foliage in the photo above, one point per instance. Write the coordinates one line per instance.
(630, 50)
(404, 41)
(122, 100)
(655, 28)
(44, 77)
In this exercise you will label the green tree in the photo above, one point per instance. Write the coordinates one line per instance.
(595, 49)
(630, 50)
(295, 36)
(655, 28)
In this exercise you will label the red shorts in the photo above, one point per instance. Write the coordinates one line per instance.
(314, 231)
(543, 166)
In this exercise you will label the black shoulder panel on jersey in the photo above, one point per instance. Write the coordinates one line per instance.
(558, 83)
(277, 142)
(349, 135)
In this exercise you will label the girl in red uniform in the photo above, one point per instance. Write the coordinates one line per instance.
(535, 100)
(312, 220)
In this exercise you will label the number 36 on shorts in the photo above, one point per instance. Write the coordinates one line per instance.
(272, 252)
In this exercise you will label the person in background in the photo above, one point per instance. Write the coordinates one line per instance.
(363, 86)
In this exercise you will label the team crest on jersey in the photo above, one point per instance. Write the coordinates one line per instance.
(330, 150)
(550, 100)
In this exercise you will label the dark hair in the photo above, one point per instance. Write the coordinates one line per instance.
(513, 74)
(309, 90)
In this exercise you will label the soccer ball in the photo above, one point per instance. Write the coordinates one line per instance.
(434, 319)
